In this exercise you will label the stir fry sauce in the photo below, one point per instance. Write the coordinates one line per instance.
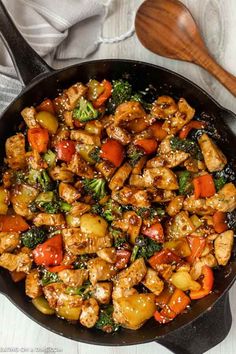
(114, 207)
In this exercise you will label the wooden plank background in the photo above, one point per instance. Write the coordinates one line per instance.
(216, 19)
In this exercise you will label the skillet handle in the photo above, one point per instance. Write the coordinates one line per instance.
(27, 62)
(202, 334)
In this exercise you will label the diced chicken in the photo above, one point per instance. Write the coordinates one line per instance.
(20, 262)
(78, 243)
(132, 195)
(108, 254)
(21, 196)
(106, 169)
(119, 292)
(15, 151)
(130, 223)
(179, 226)
(73, 277)
(61, 173)
(102, 292)
(9, 241)
(194, 165)
(28, 114)
(79, 209)
(120, 176)
(161, 177)
(49, 219)
(35, 161)
(132, 275)
(184, 114)
(89, 313)
(198, 206)
(68, 192)
(196, 269)
(164, 107)
(70, 97)
(137, 169)
(68, 119)
(84, 137)
(223, 247)
(161, 195)
(119, 134)
(80, 167)
(127, 112)
(7, 178)
(56, 296)
(214, 158)
(100, 270)
(175, 205)
(224, 200)
(33, 288)
(138, 181)
(153, 282)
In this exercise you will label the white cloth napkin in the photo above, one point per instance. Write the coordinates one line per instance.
(61, 31)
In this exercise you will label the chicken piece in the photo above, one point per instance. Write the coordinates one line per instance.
(120, 176)
(119, 134)
(15, 151)
(63, 133)
(100, 270)
(137, 169)
(7, 177)
(194, 165)
(214, 158)
(78, 243)
(127, 112)
(183, 116)
(83, 137)
(130, 223)
(165, 271)
(28, 114)
(196, 269)
(68, 119)
(9, 241)
(80, 167)
(49, 219)
(79, 209)
(153, 282)
(69, 98)
(138, 181)
(160, 195)
(20, 262)
(106, 169)
(55, 294)
(164, 107)
(68, 192)
(21, 196)
(35, 161)
(133, 196)
(179, 226)
(73, 277)
(197, 206)
(224, 200)
(223, 247)
(102, 292)
(61, 173)
(161, 177)
(119, 292)
(133, 311)
(33, 288)
(89, 313)
(108, 254)
(175, 205)
(132, 275)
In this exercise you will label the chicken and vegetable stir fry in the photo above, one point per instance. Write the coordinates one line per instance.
(114, 208)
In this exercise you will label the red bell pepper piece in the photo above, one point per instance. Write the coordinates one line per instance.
(105, 95)
(65, 150)
(38, 139)
(163, 257)
(122, 258)
(113, 151)
(59, 268)
(194, 124)
(204, 186)
(13, 223)
(50, 252)
(207, 284)
(148, 145)
(155, 232)
(219, 222)
(197, 245)
(46, 105)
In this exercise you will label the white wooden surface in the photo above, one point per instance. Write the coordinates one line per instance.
(217, 21)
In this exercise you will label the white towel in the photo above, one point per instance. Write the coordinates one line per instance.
(61, 31)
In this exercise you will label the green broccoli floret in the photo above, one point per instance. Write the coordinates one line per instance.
(139, 97)
(19, 177)
(150, 213)
(95, 187)
(220, 182)
(45, 181)
(186, 145)
(49, 277)
(95, 154)
(185, 183)
(49, 202)
(50, 158)
(96, 209)
(121, 92)
(33, 237)
(112, 210)
(134, 154)
(144, 247)
(83, 290)
(81, 261)
(85, 111)
(105, 321)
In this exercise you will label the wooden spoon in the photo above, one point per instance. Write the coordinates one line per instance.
(167, 28)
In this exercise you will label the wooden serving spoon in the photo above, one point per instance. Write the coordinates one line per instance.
(167, 28)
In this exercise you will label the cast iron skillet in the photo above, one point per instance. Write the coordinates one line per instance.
(209, 320)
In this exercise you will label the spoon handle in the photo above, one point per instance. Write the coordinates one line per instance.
(208, 63)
